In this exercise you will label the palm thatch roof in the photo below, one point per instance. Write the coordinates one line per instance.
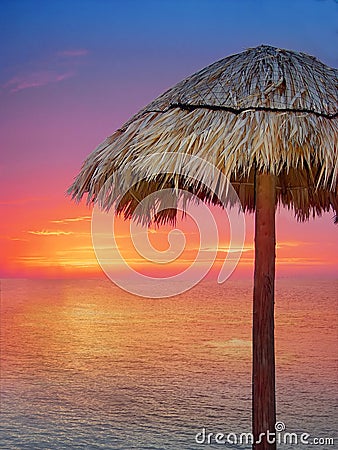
(265, 109)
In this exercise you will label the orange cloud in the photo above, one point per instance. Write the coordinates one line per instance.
(57, 242)
(50, 233)
(71, 219)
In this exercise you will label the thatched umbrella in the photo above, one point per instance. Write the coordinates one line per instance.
(267, 119)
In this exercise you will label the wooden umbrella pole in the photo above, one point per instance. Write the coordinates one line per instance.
(263, 375)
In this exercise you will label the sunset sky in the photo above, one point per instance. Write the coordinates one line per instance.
(74, 71)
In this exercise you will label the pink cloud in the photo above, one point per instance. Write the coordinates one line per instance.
(36, 79)
(53, 70)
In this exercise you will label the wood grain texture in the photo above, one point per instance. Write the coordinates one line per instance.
(263, 375)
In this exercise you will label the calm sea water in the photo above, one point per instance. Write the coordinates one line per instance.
(86, 366)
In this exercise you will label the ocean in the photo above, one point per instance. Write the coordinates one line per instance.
(85, 365)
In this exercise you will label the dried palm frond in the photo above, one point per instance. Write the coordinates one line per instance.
(265, 109)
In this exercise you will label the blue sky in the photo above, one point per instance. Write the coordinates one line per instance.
(73, 71)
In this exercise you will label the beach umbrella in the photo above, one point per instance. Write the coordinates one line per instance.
(266, 118)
